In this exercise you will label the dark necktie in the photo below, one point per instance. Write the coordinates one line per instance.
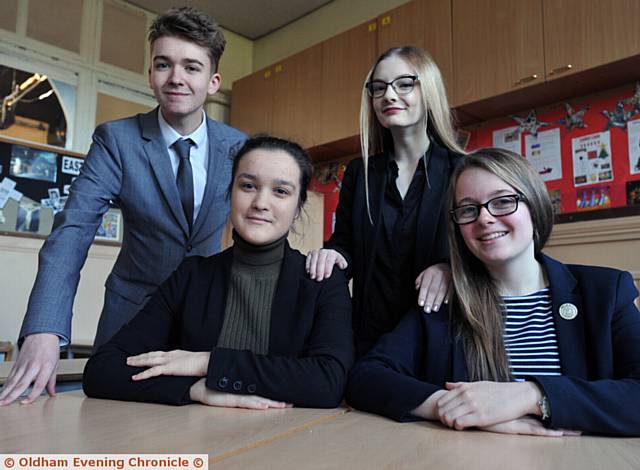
(185, 177)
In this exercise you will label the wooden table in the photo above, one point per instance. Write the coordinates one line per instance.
(72, 423)
(360, 440)
(295, 438)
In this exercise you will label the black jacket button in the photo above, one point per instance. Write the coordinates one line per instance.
(251, 388)
(237, 385)
(223, 382)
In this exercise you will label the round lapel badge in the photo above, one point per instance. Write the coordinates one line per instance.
(568, 311)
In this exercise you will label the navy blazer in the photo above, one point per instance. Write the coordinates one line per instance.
(598, 391)
(310, 342)
(128, 164)
(356, 238)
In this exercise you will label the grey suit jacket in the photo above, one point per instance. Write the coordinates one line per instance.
(128, 164)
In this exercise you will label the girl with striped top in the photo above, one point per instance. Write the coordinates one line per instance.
(529, 345)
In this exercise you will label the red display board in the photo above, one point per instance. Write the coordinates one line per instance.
(327, 181)
(588, 149)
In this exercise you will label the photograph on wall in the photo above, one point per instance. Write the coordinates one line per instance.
(109, 229)
(633, 193)
(55, 202)
(633, 130)
(556, 200)
(28, 219)
(508, 139)
(593, 198)
(33, 164)
(592, 162)
(543, 152)
(7, 191)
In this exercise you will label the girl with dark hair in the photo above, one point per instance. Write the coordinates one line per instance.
(244, 328)
(529, 345)
(390, 230)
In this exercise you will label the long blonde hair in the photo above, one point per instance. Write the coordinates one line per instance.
(476, 306)
(374, 138)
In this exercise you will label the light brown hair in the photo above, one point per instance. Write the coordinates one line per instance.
(192, 25)
(476, 304)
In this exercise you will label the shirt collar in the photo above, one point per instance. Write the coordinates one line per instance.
(170, 135)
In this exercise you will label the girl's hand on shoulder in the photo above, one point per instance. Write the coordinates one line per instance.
(480, 404)
(434, 287)
(199, 392)
(319, 264)
(176, 362)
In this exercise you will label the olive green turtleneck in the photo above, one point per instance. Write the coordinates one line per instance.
(252, 286)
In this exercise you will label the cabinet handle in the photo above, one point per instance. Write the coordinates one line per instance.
(564, 68)
(267, 74)
(527, 79)
(372, 27)
(385, 21)
(278, 68)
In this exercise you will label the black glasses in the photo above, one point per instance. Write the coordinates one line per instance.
(402, 85)
(497, 206)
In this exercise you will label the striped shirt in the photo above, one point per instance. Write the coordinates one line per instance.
(530, 335)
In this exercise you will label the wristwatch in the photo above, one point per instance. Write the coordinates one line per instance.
(545, 409)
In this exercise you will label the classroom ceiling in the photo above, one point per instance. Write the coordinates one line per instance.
(249, 18)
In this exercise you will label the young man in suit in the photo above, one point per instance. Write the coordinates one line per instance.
(168, 171)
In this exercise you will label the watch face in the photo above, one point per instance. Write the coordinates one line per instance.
(543, 404)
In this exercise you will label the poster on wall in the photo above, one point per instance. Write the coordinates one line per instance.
(110, 228)
(544, 154)
(593, 198)
(508, 139)
(633, 193)
(592, 162)
(633, 129)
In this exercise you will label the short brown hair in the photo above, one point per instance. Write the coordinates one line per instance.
(192, 25)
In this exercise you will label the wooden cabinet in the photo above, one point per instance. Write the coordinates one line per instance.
(297, 88)
(252, 106)
(497, 47)
(346, 59)
(496, 56)
(582, 34)
(421, 23)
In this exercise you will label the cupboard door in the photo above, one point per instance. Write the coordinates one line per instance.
(497, 47)
(402, 26)
(422, 23)
(297, 86)
(581, 34)
(346, 59)
(252, 102)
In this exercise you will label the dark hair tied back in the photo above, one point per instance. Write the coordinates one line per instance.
(271, 143)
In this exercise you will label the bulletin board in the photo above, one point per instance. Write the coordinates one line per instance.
(34, 186)
(586, 150)
(328, 181)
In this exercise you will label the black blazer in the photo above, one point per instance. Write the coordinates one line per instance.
(355, 238)
(310, 343)
(598, 390)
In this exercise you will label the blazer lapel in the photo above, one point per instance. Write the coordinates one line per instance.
(569, 331)
(161, 165)
(217, 146)
(377, 187)
(431, 204)
(450, 365)
(284, 313)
